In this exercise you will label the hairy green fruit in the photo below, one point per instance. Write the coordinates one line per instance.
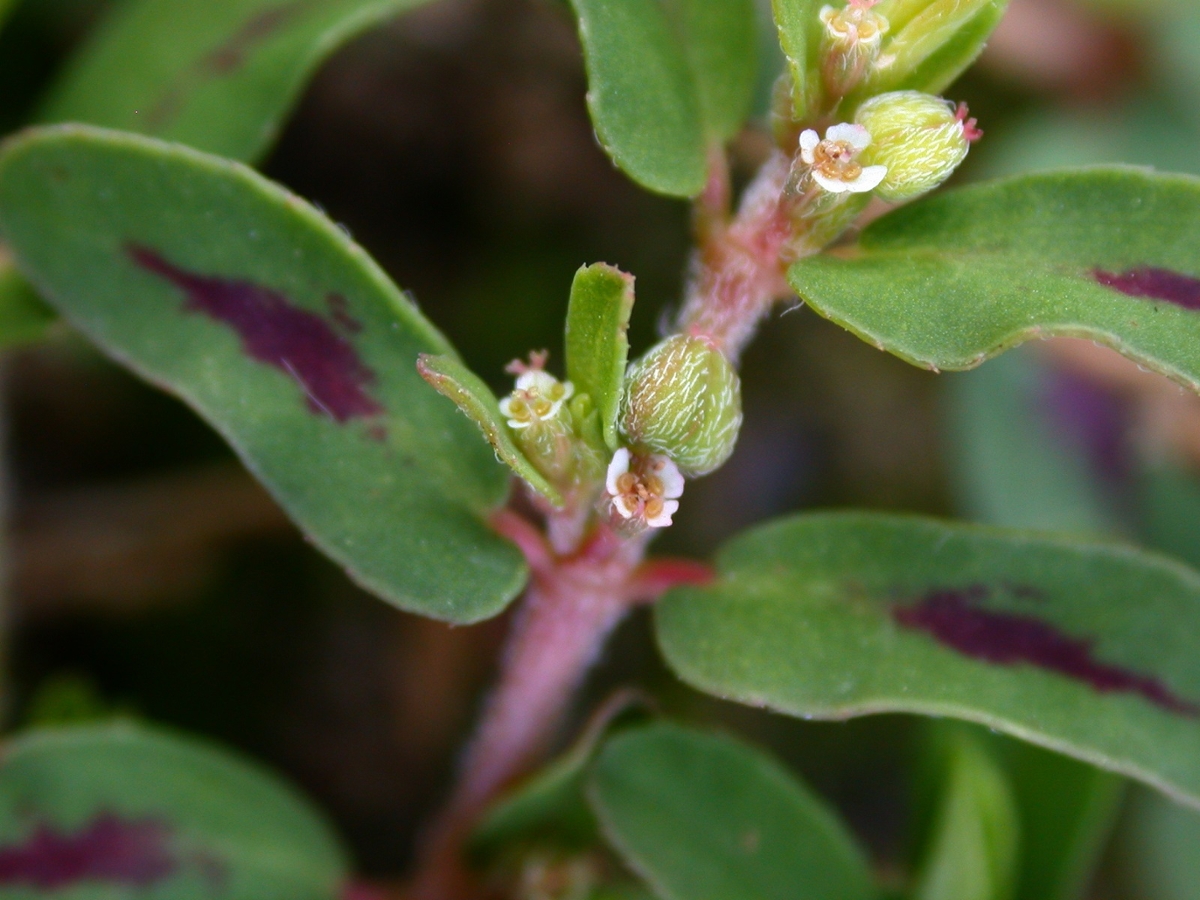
(920, 138)
(683, 399)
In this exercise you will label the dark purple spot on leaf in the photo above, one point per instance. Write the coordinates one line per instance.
(225, 59)
(231, 55)
(1007, 639)
(274, 331)
(339, 311)
(1156, 284)
(110, 850)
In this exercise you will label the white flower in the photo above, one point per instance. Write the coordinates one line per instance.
(832, 162)
(538, 397)
(854, 25)
(645, 489)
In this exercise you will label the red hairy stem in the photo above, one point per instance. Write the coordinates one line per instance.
(739, 275)
(568, 611)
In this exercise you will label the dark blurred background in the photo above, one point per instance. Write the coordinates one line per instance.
(151, 576)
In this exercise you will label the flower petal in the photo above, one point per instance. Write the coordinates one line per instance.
(616, 468)
(668, 473)
(808, 143)
(855, 135)
(626, 506)
(830, 184)
(663, 519)
(869, 179)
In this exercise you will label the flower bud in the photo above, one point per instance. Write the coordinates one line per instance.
(850, 44)
(919, 138)
(684, 400)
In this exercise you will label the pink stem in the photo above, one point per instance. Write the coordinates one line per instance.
(565, 618)
(740, 274)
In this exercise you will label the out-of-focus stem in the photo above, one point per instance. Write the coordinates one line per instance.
(569, 609)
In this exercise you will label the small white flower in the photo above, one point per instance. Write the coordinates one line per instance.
(538, 397)
(855, 24)
(833, 162)
(645, 489)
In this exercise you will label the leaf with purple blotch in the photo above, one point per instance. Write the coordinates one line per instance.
(1110, 254)
(1086, 648)
(127, 810)
(223, 288)
(220, 77)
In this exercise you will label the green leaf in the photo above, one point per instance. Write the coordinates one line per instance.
(931, 43)
(23, 315)
(1170, 510)
(698, 815)
(157, 815)
(597, 346)
(1107, 254)
(972, 853)
(223, 288)
(452, 379)
(720, 40)
(1067, 811)
(1086, 648)
(1162, 850)
(800, 36)
(1011, 466)
(218, 76)
(642, 96)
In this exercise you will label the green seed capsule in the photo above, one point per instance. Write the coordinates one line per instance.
(683, 399)
(917, 136)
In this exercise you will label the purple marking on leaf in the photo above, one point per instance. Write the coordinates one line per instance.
(276, 332)
(1156, 284)
(339, 311)
(1008, 639)
(231, 55)
(111, 850)
(225, 59)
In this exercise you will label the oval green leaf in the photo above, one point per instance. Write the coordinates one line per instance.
(223, 288)
(218, 76)
(699, 815)
(1085, 648)
(642, 96)
(97, 812)
(1109, 254)
(720, 39)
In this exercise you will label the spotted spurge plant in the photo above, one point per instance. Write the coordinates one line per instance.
(141, 225)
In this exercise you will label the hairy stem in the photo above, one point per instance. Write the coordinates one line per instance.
(568, 611)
